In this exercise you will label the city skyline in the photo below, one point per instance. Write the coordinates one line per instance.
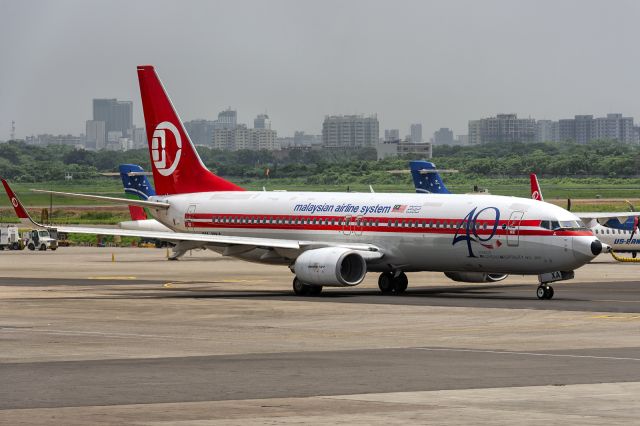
(300, 61)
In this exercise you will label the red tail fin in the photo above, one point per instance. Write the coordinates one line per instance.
(137, 213)
(536, 193)
(177, 168)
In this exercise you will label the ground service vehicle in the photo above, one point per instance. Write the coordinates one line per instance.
(39, 239)
(9, 238)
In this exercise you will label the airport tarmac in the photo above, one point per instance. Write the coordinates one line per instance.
(212, 340)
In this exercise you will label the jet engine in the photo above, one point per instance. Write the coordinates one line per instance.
(330, 266)
(475, 277)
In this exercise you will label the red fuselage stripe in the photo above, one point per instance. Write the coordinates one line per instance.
(337, 223)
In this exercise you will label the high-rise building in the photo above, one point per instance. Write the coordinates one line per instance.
(241, 137)
(474, 132)
(264, 139)
(391, 134)
(503, 128)
(227, 119)
(566, 130)
(262, 121)
(444, 136)
(117, 115)
(416, 133)
(614, 127)
(95, 135)
(200, 131)
(583, 129)
(546, 131)
(139, 137)
(350, 131)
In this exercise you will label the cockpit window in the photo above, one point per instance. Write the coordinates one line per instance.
(563, 224)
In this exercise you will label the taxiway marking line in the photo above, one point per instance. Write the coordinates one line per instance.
(111, 278)
(106, 334)
(488, 351)
(617, 317)
(170, 284)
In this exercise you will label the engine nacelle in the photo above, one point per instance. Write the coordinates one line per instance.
(330, 266)
(475, 277)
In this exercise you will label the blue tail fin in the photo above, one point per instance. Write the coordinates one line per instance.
(426, 179)
(135, 182)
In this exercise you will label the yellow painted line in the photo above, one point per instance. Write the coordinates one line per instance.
(111, 278)
(617, 317)
(173, 284)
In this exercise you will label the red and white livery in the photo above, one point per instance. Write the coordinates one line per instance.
(334, 239)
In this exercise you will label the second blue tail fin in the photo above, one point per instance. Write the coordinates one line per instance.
(135, 181)
(426, 178)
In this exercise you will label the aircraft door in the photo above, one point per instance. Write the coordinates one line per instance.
(190, 210)
(513, 229)
(357, 226)
(346, 225)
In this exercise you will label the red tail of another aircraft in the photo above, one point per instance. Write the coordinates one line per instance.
(177, 167)
(536, 193)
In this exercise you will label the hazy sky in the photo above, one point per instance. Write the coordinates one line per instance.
(438, 63)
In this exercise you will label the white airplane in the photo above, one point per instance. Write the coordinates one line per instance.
(619, 238)
(334, 239)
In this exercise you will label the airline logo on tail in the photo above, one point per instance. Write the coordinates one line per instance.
(14, 201)
(163, 149)
(536, 194)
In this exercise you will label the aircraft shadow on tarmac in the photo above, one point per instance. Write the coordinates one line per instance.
(489, 292)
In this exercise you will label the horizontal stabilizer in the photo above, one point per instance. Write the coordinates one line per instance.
(116, 200)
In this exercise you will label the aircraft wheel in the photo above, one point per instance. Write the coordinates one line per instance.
(634, 254)
(315, 290)
(385, 283)
(541, 292)
(302, 289)
(31, 247)
(400, 283)
(544, 291)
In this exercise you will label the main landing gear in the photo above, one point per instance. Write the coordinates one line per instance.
(302, 289)
(390, 283)
(544, 291)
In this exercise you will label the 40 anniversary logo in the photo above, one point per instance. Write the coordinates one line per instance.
(468, 230)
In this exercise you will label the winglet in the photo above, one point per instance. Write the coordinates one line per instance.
(21, 212)
(536, 193)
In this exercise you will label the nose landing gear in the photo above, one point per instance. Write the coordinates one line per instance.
(544, 291)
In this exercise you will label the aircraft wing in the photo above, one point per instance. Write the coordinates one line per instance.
(131, 202)
(622, 216)
(221, 240)
(235, 244)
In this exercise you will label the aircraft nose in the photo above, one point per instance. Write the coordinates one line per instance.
(586, 248)
(596, 247)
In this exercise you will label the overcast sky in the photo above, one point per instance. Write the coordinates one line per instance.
(438, 63)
